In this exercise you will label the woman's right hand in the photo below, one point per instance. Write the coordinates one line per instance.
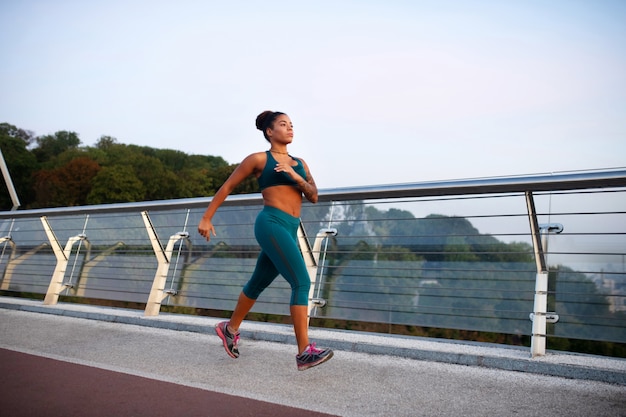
(205, 228)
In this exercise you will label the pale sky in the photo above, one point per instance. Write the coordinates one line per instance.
(380, 92)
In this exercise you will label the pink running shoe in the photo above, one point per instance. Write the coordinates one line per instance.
(312, 356)
(230, 340)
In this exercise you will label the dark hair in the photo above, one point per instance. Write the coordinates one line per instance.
(266, 120)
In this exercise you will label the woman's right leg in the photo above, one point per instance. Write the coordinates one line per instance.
(300, 318)
(264, 273)
(244, 304)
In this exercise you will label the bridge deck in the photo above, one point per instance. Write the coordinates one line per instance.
(77, 359)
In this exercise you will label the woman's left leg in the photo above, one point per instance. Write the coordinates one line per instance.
(300, 318)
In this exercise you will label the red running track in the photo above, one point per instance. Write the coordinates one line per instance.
(34, 386)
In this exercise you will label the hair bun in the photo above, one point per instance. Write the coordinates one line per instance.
(262, 119)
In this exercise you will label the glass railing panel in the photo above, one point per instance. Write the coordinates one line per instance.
(460, 261)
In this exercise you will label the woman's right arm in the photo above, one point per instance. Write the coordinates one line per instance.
(247, 167)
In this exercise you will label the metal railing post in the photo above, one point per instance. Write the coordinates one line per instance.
(540, 309)
(7, 240)
(62, 255)
(9, 183)
(158, 292)
(311, 257)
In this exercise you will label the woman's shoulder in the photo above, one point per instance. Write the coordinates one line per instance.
(255, 159)
(256, 156)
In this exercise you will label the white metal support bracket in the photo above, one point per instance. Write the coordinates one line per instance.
(538, 339)
(7, 240)
(9, 183)
(62, 255)
(158, 292)
(311, 257)
(540, 316)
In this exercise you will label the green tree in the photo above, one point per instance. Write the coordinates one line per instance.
(195, 183)
(50, 146)
(106, 142)
(159, 183)
(221, 174)
(20, 162)
(116, 184)
(171, 159)
(11, 131)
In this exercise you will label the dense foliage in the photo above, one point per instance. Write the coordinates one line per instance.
(56, 171)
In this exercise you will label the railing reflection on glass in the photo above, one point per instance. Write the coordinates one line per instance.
(541, 256)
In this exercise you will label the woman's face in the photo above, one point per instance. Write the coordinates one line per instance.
(282, 132)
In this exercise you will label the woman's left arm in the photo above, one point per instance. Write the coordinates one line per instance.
(308, 187)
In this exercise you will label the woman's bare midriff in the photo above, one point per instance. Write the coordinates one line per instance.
(285, 198)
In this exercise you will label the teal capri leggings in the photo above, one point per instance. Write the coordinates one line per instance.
(277, 233)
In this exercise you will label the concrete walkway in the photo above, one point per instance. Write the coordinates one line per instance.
(370, 375)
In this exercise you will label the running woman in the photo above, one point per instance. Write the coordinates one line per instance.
(283, 180)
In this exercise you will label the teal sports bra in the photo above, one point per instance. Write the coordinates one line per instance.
(270, 178)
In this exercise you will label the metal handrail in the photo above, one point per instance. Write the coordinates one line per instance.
(513, 184)
(494, 185)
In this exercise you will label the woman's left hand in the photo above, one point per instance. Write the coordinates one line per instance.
(287, 169)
